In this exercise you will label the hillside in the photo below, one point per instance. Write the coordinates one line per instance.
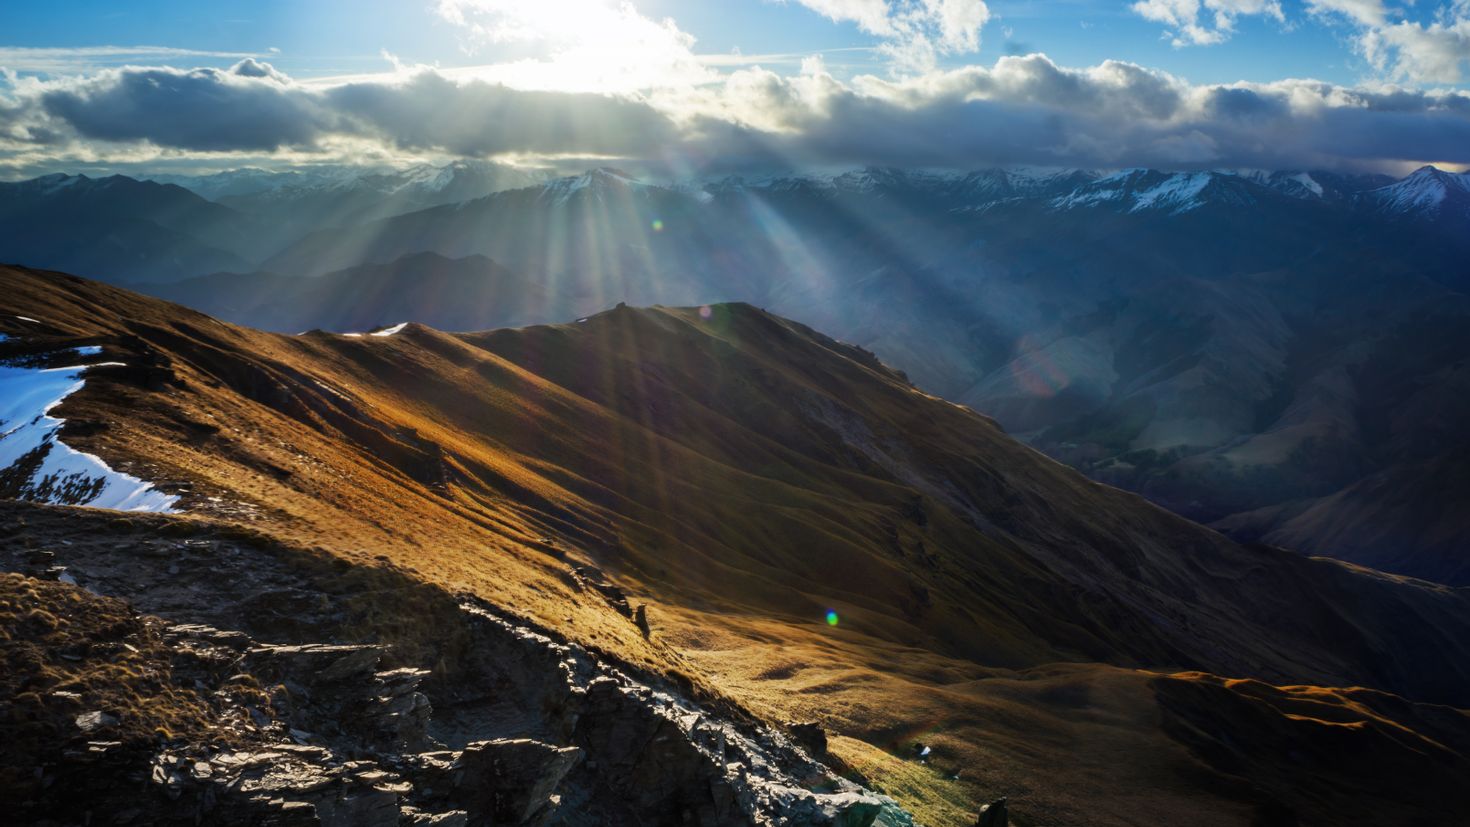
(744, 478)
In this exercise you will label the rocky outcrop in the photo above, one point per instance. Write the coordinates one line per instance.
(318, 727)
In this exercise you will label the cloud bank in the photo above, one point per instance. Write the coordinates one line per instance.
(1021, 109)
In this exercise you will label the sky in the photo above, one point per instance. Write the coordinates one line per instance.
(694, 87)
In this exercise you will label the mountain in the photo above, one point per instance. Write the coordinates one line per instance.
(1220, 341)
(459, 294)
(1428, 194)
(128, 230)
(334, 195)
(1216, 340)
(665, 501)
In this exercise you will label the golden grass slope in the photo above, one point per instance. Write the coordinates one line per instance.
(743, 475)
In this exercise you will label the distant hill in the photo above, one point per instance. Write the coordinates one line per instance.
(336, 195)
(120, 228)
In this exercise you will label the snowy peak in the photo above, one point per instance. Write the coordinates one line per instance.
(1428, 192)
(594, 184)
(1146, 190)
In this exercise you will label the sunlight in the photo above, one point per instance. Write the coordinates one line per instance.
(579, 45)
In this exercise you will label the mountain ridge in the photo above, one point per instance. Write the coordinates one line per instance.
(740, 475)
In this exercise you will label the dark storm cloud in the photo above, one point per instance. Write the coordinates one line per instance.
(475, 118)
(249, 107)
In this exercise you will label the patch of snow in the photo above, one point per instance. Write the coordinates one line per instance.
(353, 335)
(27, 319)
(389, 331)
(1180, 191)
(61, 474)
(594, 182)
(1306, 180)
(1138, 190)
(333, 391)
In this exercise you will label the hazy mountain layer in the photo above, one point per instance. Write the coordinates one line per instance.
(1263, 352)
(1233, 345)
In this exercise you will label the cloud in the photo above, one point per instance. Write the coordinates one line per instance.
(588, 45)
(1203, 22)
(1432, 49)
(50, 61)
(915, 32)
(1021, 109)
(1030, 110)
(428, 111)
(247, 107)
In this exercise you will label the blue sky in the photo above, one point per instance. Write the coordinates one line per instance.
(683, 86)
(329, 37)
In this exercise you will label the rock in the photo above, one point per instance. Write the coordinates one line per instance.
(993, 814)
(810, 736)
(95, 720)
(318, 664)
(362, 808)
(511, 781)
(640, 617)
(413, 817)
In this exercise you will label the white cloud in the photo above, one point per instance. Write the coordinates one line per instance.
(915, 32)
(1203, 22)
(1432, 50)
(47, 60)
(1366, 12)
(586, 45)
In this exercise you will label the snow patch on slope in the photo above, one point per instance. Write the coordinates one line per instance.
(50, 471)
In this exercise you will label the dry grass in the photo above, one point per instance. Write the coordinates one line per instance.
(742, 476)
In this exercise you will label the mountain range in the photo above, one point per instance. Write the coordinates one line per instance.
(1279, 355)
(677, 527)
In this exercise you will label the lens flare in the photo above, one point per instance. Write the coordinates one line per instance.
(705, 312)
(658, 225)
(831, 617)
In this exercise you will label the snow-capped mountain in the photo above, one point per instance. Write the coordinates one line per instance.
(1428, 193)
(460, 180)
(1136, 190)
(592, 185)
(1128, 190)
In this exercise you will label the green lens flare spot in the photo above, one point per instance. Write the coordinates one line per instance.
(658, 225)
(831, 618)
